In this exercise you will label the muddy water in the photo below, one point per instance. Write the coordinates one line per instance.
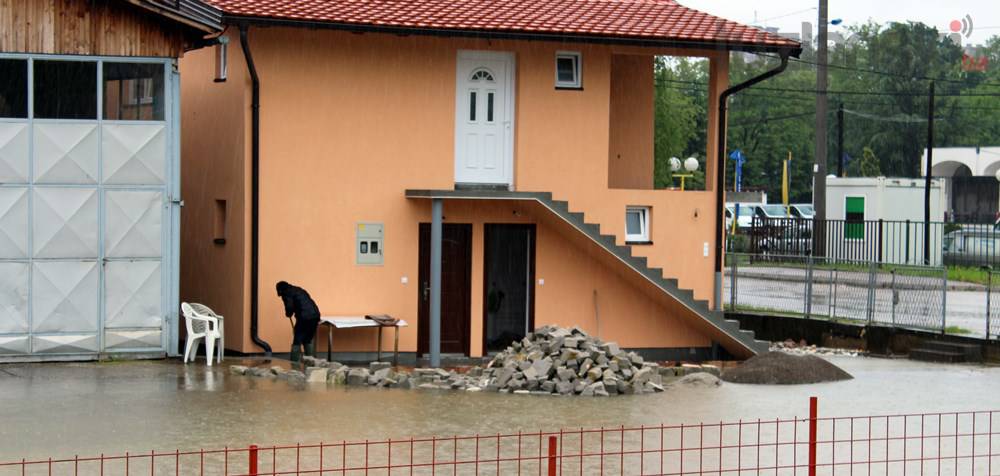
(65, 409)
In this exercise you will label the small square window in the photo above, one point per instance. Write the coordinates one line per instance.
(133, 91)
(637, 224)
(568, 70)
(14, 88)
(65, 89)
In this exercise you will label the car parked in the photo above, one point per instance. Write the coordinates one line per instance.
(772, 212)
(803, 210)
(971, 248)
(746, 214)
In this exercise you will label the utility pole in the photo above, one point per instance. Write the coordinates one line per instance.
(927, 176)
(819, 169)
(840, 140)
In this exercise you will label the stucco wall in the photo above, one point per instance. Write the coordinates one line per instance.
(215, 166)
(350, 121)
(630, 128)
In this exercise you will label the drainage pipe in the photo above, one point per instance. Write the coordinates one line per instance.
(254, 192)
(720, 168)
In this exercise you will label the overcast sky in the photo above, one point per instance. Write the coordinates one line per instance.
(788, 15)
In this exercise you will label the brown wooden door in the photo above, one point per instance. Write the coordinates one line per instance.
(456, 288)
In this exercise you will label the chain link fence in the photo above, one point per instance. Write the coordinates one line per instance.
(861, 291)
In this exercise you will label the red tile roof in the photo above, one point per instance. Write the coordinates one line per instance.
(663, 21)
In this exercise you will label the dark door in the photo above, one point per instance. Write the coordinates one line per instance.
(508, 295)
(456, 288)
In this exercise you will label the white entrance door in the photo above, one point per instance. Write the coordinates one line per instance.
(484, 118)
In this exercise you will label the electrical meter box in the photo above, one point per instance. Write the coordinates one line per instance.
(368, 245)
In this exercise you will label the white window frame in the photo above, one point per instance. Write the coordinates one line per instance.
(643, 235)
(577, 62)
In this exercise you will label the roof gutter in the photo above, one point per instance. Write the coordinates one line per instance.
(720, 166)
(254, 192)
(506, 35)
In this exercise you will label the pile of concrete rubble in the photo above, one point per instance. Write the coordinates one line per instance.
(549, 361)
(802, 348)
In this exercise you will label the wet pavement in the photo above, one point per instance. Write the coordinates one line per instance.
(90, 408)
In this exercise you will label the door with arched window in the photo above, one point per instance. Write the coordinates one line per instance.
(484, 126)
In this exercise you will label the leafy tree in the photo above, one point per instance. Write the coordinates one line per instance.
(885, 125)
(869, 166)
(675, 123)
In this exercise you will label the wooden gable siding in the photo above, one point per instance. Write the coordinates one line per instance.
(87, 27)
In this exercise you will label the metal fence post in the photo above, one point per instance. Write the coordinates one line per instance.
(809, 280)
(832, 294)
(252, 460)
(871, 292)
(733, 273)
(881, 226)
(892, 287)
(989, 291)
(552, 455)
(813, 416)
(944, 299)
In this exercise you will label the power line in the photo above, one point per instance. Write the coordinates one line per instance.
(886, 73)
(774, 119)
(751, 94)
(847, 92)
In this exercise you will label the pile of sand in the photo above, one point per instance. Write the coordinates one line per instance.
(779, 368)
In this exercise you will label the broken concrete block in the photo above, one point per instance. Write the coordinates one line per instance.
(357, 376)
(238, 369)
(316, 374)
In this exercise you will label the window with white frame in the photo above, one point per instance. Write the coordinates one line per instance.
(637, 224)
(568, 70)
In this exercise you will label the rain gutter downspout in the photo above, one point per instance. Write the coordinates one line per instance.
(254, 191)
(720, 167)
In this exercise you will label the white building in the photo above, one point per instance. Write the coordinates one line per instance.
(881, 219)
(970, 181)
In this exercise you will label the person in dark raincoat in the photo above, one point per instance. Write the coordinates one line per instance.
(298, 303)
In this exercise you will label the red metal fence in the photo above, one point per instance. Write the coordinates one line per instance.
(957, 443)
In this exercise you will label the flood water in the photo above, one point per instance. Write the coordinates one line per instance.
(90, 408)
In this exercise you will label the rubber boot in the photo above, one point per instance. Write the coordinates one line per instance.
(296, 353)
(310, 349)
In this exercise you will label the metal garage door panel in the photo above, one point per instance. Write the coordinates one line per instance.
(65, 223)
(134, 224)
(143, 339)
(134, 154)
(65, 296)
(13, 345)
(14, 152)
(65, 344)
(134, 294)
(66, 153)
(13, 223)
(13, 298)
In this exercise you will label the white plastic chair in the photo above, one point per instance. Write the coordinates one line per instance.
(204, 310)
(200, 326)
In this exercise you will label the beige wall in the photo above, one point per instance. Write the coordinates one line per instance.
(630, 128)
(215, 153)
(350, 121)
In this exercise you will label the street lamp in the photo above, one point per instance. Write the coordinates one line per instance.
(690, 165)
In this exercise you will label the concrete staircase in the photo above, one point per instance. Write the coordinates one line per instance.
(731, 328)
(947, 352)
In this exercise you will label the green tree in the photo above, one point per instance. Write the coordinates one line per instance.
(869, 166)
(675, 123)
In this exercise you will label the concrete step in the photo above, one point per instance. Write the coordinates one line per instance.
(928, 355)
(971, 352)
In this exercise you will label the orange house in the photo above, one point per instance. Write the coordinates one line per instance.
(484, 164)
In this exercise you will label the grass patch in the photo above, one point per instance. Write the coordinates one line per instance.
(956, 330)
(968, 274)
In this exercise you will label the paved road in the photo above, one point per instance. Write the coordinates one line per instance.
(918, 307)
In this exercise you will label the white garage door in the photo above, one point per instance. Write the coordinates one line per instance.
(87, 226)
